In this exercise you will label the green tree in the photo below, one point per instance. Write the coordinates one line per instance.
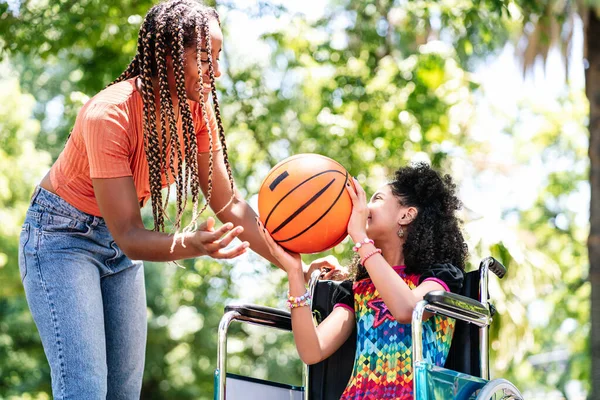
(22, 364)
(373, 84)
(551, 24)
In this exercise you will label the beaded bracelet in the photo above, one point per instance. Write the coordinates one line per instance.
(365, 258)
(305, 303)
(359, 244)
(298, 299)
(301, 301)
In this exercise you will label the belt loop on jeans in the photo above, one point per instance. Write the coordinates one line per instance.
(95, 221)
(37, 191)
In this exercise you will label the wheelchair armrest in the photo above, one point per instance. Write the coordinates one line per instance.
(261, 315)
(457, 306)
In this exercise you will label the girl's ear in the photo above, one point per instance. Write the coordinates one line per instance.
(407, 215)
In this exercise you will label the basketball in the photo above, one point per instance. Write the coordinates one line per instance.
(304, 205)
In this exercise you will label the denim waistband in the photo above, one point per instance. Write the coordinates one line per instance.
(51, 202)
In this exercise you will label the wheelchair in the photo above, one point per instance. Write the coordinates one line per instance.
(465, 374)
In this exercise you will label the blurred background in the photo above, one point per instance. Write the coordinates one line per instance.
(492, 92)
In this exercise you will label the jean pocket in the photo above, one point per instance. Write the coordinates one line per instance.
(61, 225)
(23, 240)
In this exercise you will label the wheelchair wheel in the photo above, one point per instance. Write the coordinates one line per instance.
(499, 389)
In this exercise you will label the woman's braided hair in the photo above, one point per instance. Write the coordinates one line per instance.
(434, 237)
(168, 29)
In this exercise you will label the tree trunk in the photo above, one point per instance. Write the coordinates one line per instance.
(593, 95)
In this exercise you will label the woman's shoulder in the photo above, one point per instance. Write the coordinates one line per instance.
(113, 111)
(121, 96)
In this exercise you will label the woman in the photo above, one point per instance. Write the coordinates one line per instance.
(150, 128)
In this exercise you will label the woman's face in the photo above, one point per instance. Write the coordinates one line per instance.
(193, 88)
(384, 212)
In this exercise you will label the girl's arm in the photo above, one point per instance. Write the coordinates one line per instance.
(399, 298)
(314, 344)
(119, 206)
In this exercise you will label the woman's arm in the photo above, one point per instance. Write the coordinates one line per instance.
(237, 211)
(119, 206)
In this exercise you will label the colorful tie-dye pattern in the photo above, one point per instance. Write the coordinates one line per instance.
(383, 362)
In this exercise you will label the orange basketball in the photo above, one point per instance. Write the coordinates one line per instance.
(304, 204)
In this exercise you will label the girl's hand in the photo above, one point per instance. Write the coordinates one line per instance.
(329, 266)
(211, 243)
(357, 226)
(291, 262)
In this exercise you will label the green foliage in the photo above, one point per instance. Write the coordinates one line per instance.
(540, 335)
(373, 85)
(22, 363)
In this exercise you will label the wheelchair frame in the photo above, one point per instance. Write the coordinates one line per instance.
(438, 302)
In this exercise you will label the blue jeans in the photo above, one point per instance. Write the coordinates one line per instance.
(88, 301)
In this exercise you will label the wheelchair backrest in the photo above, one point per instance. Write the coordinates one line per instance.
(328, 379)
(464, 352)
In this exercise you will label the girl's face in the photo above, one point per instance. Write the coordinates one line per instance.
(385, 211)
(192, 73)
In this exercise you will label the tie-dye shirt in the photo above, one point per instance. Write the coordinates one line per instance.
(383, 360)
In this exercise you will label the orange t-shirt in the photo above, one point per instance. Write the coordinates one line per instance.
(107, 141)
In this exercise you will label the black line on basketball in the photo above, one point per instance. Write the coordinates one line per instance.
(303, 207)
(278, 180)
(297, 186)
(322, 215)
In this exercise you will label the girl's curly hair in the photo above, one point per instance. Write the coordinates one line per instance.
(434, 236)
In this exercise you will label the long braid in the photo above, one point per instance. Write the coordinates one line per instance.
(193, 144)
(202, 22)
(165, 21)
(166, 107)
(187, 123)
(211, 72)
(150, 136)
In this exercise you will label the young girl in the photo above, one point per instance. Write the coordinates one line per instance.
(152, 127)
(408, 243)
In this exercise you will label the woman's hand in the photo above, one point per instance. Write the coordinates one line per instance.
(329, 266)
(357, 226)
(291, 262)
(212, 243)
